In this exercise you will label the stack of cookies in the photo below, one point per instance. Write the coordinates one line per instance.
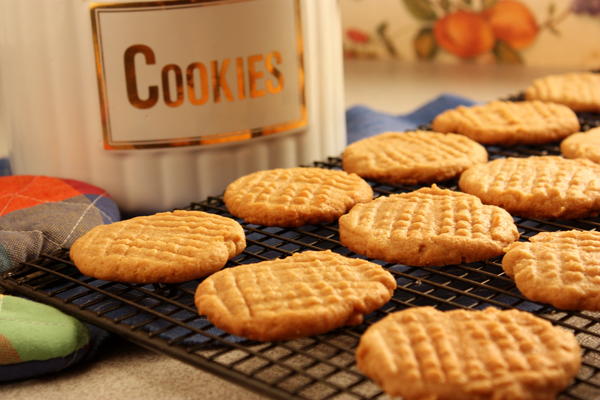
(420, 352)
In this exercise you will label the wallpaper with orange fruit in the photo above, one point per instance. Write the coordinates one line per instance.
(531, 32)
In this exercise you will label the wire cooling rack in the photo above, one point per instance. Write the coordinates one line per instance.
(163, 318)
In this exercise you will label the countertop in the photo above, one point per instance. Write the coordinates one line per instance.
(126, 371)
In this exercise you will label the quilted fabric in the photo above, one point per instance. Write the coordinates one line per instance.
(41, 214)
(36, 339)
(33, 331)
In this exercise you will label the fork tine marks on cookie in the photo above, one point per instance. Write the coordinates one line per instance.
(423, 353)
(427, 227)
(580, 91)
(165, 247)
(558, 268)
(509, 123)
(304, 294)
(295, 196)
(537, 186)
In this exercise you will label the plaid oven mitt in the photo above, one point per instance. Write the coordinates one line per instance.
(40, 214)
(36, 339)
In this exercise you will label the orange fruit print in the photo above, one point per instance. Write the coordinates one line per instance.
(512, 22)
(464, 33)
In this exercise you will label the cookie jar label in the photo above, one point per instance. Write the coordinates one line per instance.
(198, 72)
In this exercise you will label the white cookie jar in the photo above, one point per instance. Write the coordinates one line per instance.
(163, 103)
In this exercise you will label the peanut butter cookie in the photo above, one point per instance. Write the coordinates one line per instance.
(295, 196)
(423, 353)
(579, 91)
(412, 157)
(559, 268)
(582, 145)
(509, 123)
(304, 294)
(537, 187)
(165, 247)
(427, 227)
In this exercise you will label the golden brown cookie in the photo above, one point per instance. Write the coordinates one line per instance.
(295, 196)
(427, 227)
(412, 157)
(558, 268)
(508, 123)
(579, 91)
(537, 187)
(165, 247)
(422, 353)
(304, 294)
(582, 145)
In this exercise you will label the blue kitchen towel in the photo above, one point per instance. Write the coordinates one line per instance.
(362, 121)
(4, 167)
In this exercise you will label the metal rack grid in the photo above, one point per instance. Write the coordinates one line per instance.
(163, 318)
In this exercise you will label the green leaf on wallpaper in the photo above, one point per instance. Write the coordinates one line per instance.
(552, 29)
(425, 45)
(421, 9)
(485, 4)
(387, 42)
(505, 54)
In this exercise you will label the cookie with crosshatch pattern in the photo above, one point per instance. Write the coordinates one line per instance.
(295, 196)
(582, 145)
(423, 353)
(537, 186)
(412, 157)
(558, 268)
(427, 227)
(165, 247)
(305, 294)
(509, 123)
(579, 91)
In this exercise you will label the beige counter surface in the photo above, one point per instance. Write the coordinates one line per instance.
(125, 371)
